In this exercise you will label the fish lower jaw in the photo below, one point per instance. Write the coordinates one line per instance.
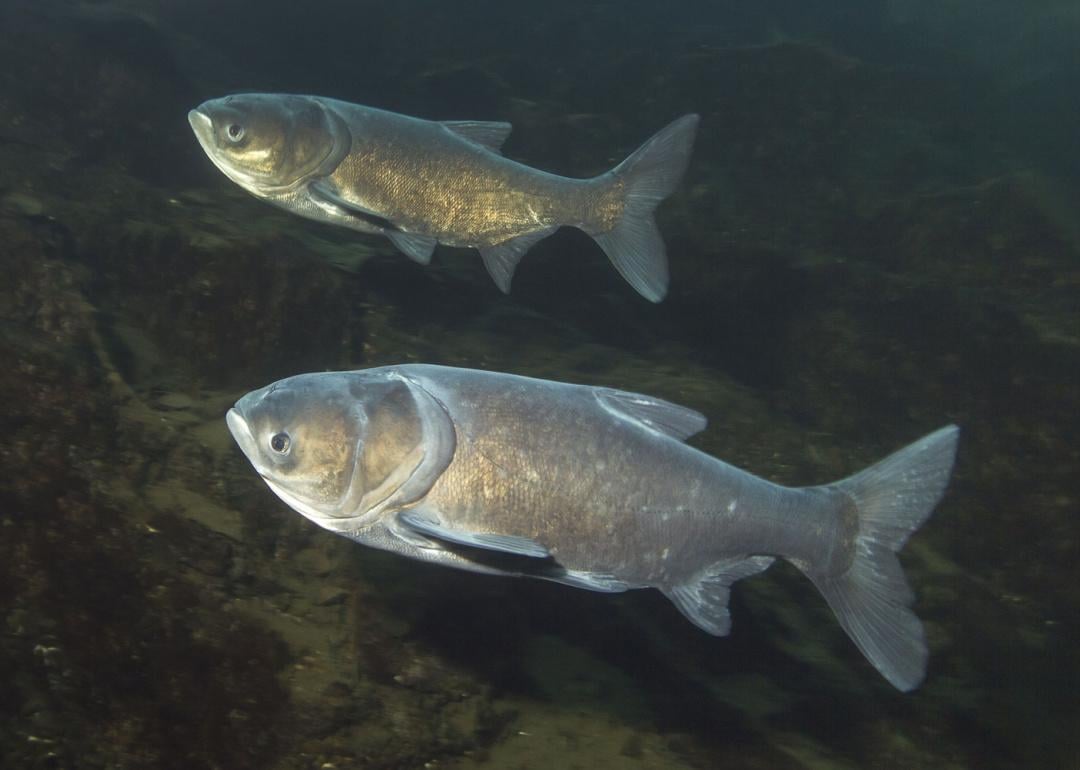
(247, 182)
(325, 519)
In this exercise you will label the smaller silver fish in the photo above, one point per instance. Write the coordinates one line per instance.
(590, 487)
(420, 182)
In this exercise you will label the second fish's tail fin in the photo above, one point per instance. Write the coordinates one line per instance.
(648, 176)
(871, 598)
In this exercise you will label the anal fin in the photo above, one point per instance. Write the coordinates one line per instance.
(418, 248)
(590, 581)
(704, 600)
(502, 259)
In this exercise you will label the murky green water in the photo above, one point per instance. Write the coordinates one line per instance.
(877, 236)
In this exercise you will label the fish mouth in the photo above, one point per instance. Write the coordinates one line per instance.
(241, 433)
(201, 123)
(203, 127)
(238, 426)
(245, 439)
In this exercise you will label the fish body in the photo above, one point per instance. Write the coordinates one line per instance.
(422, 182)
(591, 487)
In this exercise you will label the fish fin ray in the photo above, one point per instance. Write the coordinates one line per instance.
(502, 259)
(415, 246)
(679, 422)
(337, 211)
(872, 598)
(326, 191)
(513, 544)
(704, 600)
(325, 195)
(489, 134)
(590, 581)
(651, 174)
(406, 534)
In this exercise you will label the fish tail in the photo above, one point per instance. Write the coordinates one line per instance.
(872, 599)
(648, 176)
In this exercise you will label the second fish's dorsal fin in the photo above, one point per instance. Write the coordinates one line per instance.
(489, 134)
(679, 422)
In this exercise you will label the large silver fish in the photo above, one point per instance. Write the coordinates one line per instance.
(420, 182)
(590, 487)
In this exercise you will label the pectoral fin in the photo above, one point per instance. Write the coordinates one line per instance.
(429, 526)
(415, 246)
(326, 191)
(325, 195)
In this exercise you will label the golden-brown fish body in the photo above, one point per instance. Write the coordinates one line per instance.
(422, 182)
(433, 180)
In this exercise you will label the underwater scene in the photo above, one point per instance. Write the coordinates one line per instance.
(685, 385)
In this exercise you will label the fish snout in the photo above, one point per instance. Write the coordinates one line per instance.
(201, 123)
(240, 430)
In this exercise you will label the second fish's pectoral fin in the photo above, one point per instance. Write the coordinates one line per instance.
(663, 416)
(513, 544)
(704, 600)
(418, 248)
(488, 134)
(501, 260)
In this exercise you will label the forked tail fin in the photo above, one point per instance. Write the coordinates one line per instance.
(651, 174)
(872, 599)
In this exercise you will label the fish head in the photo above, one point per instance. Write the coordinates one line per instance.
(343, 448)
(270, 142)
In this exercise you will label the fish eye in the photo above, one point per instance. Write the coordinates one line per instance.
(280, 443)
(235, 132)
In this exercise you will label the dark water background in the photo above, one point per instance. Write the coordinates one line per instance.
(878, 235)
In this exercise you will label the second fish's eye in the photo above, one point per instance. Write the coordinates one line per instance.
(235, 132)
(280, 443)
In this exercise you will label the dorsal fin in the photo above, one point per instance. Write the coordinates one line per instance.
(656, 414)
(488, 134)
